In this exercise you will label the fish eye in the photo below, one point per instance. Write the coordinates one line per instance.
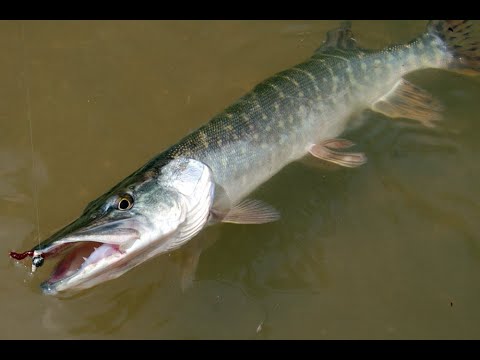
(125, 202)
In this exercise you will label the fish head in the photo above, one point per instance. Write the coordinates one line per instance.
(154, 211)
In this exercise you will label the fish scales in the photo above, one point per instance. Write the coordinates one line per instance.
(278, 119)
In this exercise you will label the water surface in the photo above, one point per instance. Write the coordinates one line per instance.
(388, 250)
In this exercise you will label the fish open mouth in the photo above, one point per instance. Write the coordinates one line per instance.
(85, 256)
(78, 256)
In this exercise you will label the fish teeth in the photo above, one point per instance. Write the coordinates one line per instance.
(84, 258)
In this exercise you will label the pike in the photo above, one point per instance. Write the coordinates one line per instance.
(206, 177)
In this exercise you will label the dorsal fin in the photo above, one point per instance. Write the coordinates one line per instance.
(340, 38)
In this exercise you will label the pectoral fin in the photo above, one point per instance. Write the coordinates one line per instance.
(325, 151)
(409, 101)
(189, 267)
(249, 211)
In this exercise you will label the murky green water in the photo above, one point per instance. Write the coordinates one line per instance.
(388, 250)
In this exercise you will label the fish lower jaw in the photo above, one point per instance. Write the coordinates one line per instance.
(84, 262)
(109, 259)
(85, 273)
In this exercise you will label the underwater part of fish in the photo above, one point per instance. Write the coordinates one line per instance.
(206, 177)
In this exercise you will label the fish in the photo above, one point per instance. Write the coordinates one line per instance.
(206, 177)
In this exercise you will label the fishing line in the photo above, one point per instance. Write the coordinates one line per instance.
(29, 119)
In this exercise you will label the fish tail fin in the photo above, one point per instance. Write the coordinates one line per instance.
(462, 39)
